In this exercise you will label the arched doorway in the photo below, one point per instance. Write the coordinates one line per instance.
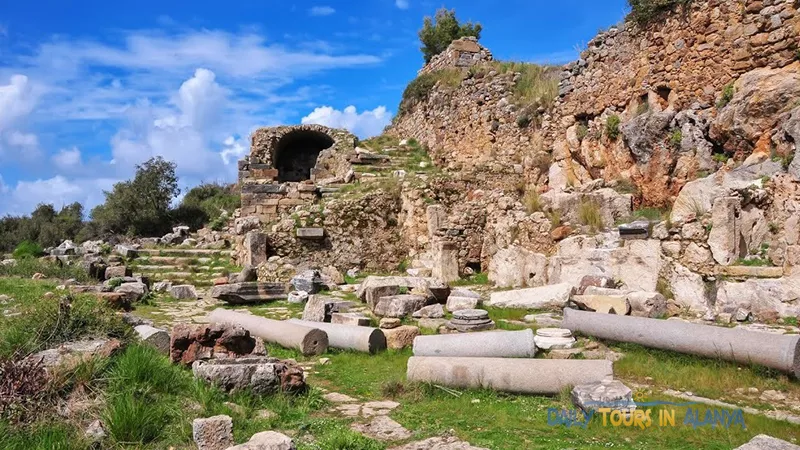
(296, 153)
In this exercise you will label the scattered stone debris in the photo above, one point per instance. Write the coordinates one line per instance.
(258, 374)
(604, 394)
(554, 338)
(383, 428)
(267, 440)
(467, 320)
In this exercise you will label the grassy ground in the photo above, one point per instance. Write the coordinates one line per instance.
(148, 403)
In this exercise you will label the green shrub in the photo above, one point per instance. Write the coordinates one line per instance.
(675, 138)
(28, 249)
(727, 95)
(581, 131)
(612, 127)
(589, 214)
(720, 157)
(646, 11)
(420, 88)
(439, 31)
(207, 204)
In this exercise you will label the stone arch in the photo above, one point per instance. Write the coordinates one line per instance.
(296, 152)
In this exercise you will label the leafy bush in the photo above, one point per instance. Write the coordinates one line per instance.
(720, 157)
(207, 203)
(727, 95)
(646, 11)
(420, 88)
(612, 127)
(44, 226)
(140, 206)
(439, 31)
(28, 249)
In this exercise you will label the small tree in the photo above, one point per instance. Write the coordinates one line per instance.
(438, 32)
(140, 206)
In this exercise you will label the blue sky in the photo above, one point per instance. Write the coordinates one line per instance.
(89, 89)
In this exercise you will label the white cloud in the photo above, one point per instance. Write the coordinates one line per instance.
(3, 186)
(67, 159)
(366, 124)
(17, 99)
(321, 11)
(27, 141)
(233, 150)
(58, 190)
(183, 134)
(402, 4)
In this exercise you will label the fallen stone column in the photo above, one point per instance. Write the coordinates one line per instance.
(310, 341)
(520, 376)
(349, 337)
(731, 344)
(487, 344)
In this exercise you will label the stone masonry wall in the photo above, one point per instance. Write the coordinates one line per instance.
(464, 52)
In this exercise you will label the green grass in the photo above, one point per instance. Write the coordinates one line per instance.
(589, 214)
(612, 127)
(42, 325)
(754, 262)
(420, 88)
(481, 278)
(26, 267)
(42, 436)
(727, 95)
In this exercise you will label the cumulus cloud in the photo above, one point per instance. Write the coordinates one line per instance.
(321, 11)
(364, 124)
(16, 100)
(23, 140)
(402, 4)
(233, 150)
(67, 159)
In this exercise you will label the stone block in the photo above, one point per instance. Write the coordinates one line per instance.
(398, 305)
(117, 272)
(213, 433)
(606, 304)
(255, 248)
(310, 233)
(603, 394)
(155, 337)
(183, 292)
(350, 319)
(552, 296)
(400, 337)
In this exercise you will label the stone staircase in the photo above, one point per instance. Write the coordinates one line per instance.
(198, 267)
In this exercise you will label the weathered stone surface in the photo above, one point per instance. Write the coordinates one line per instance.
(189, 343)
(445, 261)
(398, 305)
(156, 337)
(126, 251)
(255, 248)
(183, 292)
(319, 308)
(213, 433)
(518, 267)
(298, 297)
(603, 394)
(353, 319)
(752, 271)
(387, 323)
(636, 264)
(639, 229)
(71, 353)
(400, 337)
(429, 312)
(309, 281)
(606, 304)
(469, 320)
(162, 286)
(437, 289)
(462, 299)
(553, 338)
(688, 288)
(760, 97)
(247, 293)
(554, 296)
(260, 375)
(699, 195)
(725, 230)
(645, 134)
(764, 442)
(383, 428)
(439, 443)
(267, 440)
(647, 304)
(311, 233)
(244, 224)
(766, 299)
(117, 272)
(135, 291)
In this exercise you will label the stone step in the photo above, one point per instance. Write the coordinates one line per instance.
(178, 260)
(209, 276)
(185, 252)
(752, 271)
(164, 268)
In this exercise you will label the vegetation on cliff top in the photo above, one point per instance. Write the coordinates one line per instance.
(438, 32)
(644, 12)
